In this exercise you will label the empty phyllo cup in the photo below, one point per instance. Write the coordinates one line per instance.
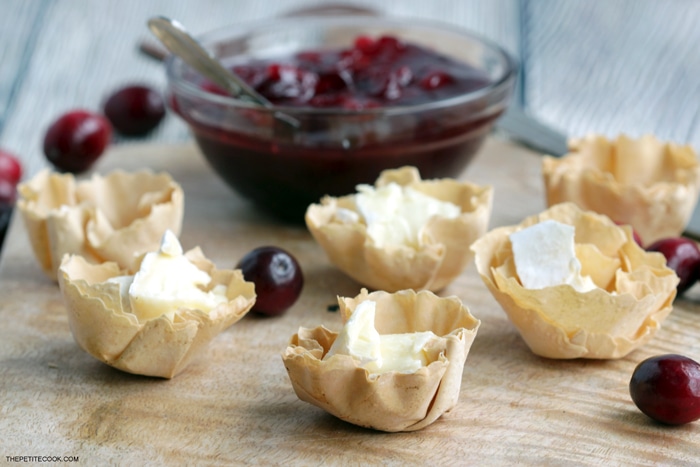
(403, 232)
(395, 366)
(117, 217)
(575, 284)
(650, 184)
(156, 321)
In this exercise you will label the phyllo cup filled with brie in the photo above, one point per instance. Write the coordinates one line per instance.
(575, 284)
(396, 365)
(117, 217)
(649, 184)
(155, 321)
(403, 232)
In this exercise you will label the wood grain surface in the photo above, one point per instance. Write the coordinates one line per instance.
(236, 406)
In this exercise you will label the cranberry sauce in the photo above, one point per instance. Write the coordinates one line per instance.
(334, 149)
(373, 73)
(285, 179)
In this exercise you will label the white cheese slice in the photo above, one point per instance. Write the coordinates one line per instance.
(403, 353)
(395, 215)
(545, 256)
(168, 281)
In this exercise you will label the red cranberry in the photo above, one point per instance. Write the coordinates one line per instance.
(10, 167)
(135, 110)
(76, 140)
(667, 389)
(683, 256)
(277, 277)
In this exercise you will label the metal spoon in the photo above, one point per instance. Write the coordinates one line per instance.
(177, 40)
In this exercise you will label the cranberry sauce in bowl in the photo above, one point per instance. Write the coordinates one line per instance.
(368, 93)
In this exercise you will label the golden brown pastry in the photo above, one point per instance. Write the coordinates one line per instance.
(154, 322)
(116, 217)
(613, 299)
(403, 233)
(649, 184)
(365, 377)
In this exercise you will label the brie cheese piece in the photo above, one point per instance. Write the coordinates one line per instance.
(403, 353)
(395, 215)
(545, 256)
(167, 281)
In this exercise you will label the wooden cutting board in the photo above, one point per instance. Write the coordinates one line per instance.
(236, 406)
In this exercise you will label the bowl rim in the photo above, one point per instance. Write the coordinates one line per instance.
(183, 86)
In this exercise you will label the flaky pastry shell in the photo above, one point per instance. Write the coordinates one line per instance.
(117, 217)
(649, 184)
(159, 347)
(389, 401)
(443, 251)
(635, 290)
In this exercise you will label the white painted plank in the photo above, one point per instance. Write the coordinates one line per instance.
(628, 66)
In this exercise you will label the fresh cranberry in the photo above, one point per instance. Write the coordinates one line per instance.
(667, 389)
(683, 256)
(10, 167)
(76, 140)
(277, 277)
(135, 110)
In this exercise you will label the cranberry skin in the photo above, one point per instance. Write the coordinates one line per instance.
(76, 140)
(277, 277)
(683, 256)
(10, 167)
(135, 110)
(667, 389)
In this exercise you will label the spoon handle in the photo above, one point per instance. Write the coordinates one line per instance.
(177, 40)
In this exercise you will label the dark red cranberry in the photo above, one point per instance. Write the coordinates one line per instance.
(135, 110)
(667, 389)
(76, 140)
(683, 256)
(277, 277)
(10, 167)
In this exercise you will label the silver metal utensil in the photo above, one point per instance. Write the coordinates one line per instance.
(173, 35)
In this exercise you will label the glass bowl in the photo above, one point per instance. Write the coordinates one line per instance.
(284, 169)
